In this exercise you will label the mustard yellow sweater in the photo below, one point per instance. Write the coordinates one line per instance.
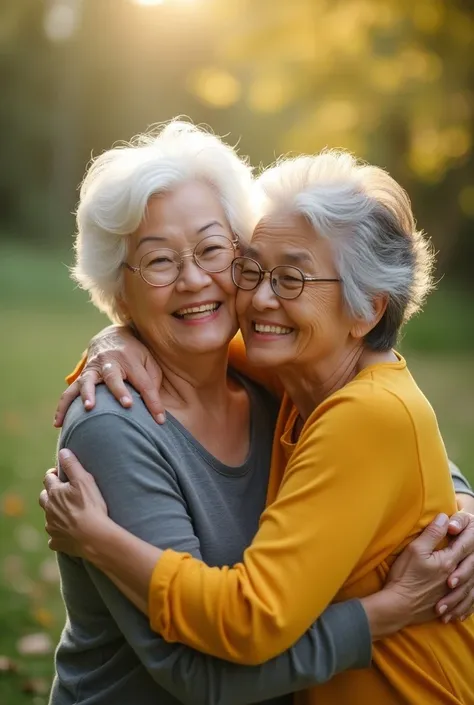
(367, 474)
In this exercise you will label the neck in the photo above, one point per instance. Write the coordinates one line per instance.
(198, 379)
(308, 385)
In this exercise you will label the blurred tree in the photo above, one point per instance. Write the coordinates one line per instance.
(392, 80)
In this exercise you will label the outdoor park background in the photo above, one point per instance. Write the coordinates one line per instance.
(392, 80)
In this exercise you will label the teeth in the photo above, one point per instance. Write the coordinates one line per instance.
(197, 309)
(279, 330)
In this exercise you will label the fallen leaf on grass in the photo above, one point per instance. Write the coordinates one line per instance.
(7, 665)
(35, 644)
(43, 617)
(35, 686)
(13, 505)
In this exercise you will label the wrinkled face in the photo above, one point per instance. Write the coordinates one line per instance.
(308, 329)
(195, 313)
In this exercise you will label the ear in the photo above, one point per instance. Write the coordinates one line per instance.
(361, 327)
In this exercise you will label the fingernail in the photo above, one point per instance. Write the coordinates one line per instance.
(463, 617)
(160, 418)
(65, 454)
(442, 609)
(441, 519)
(455, 524)
(454, 582)
(125, 400)
(55, 421)
(87, 403)
(447, 619)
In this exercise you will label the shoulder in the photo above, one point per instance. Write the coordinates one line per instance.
(364, 408)
(109, 418)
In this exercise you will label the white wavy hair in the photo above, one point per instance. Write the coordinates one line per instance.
(119, 183)
(368, 218)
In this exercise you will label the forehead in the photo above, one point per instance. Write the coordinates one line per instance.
(289, 237)
(182, 212)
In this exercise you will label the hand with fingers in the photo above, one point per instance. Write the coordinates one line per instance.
(75, 511)
(115, 355)
(458, 603)
(421, 577)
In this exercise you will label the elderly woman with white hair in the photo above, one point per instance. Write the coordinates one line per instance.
(196, 485)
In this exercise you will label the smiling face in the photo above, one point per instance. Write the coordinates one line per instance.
(311, 328)
(195, 313)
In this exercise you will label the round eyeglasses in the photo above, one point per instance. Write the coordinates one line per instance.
(162, 267)
(286, 281)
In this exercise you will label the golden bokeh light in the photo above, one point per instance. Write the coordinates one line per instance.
(216, 87)
(146, 3)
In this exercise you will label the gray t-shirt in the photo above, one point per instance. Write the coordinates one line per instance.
(163, 486)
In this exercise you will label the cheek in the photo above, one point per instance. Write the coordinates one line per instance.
(243, 301)
(145, 305)
(322, 309)
(224, 282)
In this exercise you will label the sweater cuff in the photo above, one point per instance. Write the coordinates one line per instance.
(158, 593)
(351, 633)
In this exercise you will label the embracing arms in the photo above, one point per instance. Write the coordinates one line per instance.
(144, 497)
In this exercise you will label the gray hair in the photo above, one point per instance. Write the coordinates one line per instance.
(368, 218)
(119, 184)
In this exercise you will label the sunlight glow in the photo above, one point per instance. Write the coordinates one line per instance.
(148, 2)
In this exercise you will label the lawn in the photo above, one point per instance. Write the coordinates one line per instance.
(46, 324)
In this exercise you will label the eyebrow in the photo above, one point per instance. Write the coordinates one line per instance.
(160, 238)
(294, 257)
(151, 238)
(209, 225)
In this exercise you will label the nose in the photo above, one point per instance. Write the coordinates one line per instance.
(264, 296)
(192, 277)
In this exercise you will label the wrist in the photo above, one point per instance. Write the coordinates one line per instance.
(97, 544)
(386, 613)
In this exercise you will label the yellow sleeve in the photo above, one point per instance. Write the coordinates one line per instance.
(72, 376)
(350, 455)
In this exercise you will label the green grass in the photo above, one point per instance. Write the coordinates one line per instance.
(45, 324)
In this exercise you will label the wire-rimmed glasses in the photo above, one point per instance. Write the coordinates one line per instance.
(162, 267)
(286, 281)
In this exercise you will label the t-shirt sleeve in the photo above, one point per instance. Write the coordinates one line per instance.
(306, 545)
(460, 482)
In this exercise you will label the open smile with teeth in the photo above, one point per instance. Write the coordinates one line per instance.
(193, 312)
(275, 330)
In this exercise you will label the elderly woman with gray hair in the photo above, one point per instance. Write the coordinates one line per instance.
(352, 423)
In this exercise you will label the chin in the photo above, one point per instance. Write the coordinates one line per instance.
(265, 358)
(209, 342)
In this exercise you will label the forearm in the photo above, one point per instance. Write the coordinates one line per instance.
(127, 560)
(340, 640)
(258, 608)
